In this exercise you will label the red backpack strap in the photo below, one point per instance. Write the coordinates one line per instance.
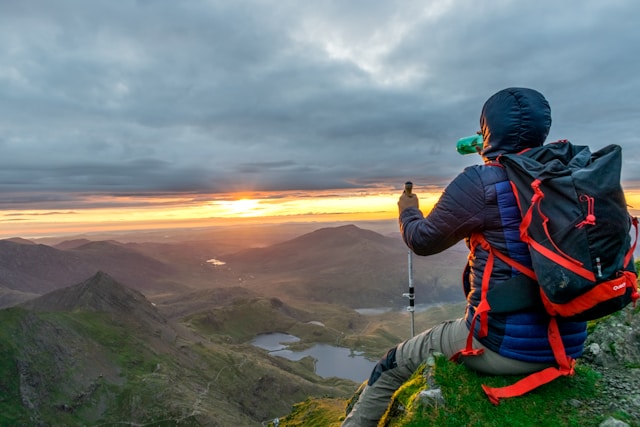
(565, 368)
(565, 363)
(482, 310)
(559, 257)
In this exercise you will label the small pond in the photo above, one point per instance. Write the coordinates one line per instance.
(331, 361)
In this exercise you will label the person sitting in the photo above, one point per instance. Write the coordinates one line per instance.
(478, 201)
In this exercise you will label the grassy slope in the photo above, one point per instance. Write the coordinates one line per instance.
(78, 368)
(466, 404)
(74, 368)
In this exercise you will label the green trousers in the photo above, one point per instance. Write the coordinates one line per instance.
(446, 338)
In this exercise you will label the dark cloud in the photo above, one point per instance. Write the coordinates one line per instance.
(155, 97)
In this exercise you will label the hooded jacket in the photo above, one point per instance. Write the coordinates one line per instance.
(480, 200)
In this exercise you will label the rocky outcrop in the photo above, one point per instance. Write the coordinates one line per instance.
(101, 293)
(613, 349)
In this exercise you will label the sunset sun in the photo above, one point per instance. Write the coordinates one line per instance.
(241, 207)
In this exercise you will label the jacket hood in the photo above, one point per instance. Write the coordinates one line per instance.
(512, 120)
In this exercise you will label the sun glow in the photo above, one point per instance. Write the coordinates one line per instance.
(238, 208)
(101, 214)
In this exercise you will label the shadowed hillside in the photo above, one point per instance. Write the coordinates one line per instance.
(349, 265)
(99, 352)
(101, 293)
(346, 265)
(39, 268)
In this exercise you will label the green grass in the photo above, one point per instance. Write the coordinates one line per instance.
(56, 351)
(11, 410)
(242, 320)
(467, 405)
(125, 348)
(314, 413)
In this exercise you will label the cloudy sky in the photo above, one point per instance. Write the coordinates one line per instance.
(109, 102)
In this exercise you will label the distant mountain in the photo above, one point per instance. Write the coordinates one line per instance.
(325, 248)
(127, 265)
(71, 244)
(36, 268)
(98, 293)
(344, 264)
(39, 268)
(102, 293)
(22, 241)
(11, 297)
(349, 265)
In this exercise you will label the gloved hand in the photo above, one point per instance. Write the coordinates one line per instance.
(408, 200)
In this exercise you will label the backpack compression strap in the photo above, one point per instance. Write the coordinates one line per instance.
(565, 363)
(565, 368)
(483, 308)
(481, 311)
(559, 257)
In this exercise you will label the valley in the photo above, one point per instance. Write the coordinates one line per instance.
(146, 331)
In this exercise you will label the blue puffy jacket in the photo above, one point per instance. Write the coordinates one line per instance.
(480, 200)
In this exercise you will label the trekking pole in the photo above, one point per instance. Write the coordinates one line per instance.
(408, 186)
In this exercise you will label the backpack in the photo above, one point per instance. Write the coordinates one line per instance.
(576, 224)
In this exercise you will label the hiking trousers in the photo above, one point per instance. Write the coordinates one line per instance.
(446, 338)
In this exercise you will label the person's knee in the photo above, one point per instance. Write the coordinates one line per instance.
(387, 362)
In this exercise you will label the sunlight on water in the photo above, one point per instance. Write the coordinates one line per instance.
(330, 361)
(274, 341)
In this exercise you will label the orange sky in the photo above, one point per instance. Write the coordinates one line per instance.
(154, 213)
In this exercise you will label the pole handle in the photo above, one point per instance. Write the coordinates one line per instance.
(408, 188)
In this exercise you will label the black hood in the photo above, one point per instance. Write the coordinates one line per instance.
(512, 120)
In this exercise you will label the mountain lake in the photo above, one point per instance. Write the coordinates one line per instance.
(331, 361)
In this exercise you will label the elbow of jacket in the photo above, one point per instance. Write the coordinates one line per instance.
(420, 244)
(415, 246)
(423, 250)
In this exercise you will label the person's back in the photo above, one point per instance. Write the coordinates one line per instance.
(478, 204)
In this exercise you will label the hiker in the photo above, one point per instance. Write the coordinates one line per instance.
(479, 200)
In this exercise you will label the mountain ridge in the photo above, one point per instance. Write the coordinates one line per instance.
(100, 293)
(38, 268)
(352, 266)
(345, 264)
(91, 354)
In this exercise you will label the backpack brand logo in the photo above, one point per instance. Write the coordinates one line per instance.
(620, 286)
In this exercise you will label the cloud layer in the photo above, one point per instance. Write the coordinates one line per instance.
(198, 97)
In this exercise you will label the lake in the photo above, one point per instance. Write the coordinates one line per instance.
(331, 361)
